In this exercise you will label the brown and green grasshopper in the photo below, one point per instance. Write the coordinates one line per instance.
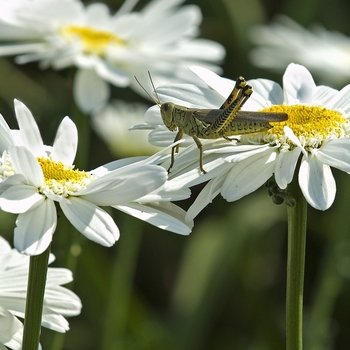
(226, 121)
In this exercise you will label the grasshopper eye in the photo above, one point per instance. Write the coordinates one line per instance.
(165, 106)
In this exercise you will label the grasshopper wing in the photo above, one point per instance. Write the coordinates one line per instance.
(208, 116)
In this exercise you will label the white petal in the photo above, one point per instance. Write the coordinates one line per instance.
(125, 185)
(14, 180)
(324, 95)
(208, 193)
(164, 215)
(290, 134)
(93, 222)
(55, 322)
(9, 325)
(248, 175)
(265, 93)
(6, 137)
(104, 69)
(60, 300)
(30, 134)
(219, 84)
(335, 153)
(4, 246)
(163, 137)
(317, 183)
(285, 167)
(189, 95)
(35, 228)
(341, 100)
(20, 198)
(298, 84)
(26, 164)
(90, 91)
(66, 142)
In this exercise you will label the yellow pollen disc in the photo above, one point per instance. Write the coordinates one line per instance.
(308, 122)
(57, 174)
(94, 41)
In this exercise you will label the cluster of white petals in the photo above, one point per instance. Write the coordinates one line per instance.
(59, 301)
(36, 179)
(317, 133)
(107, 48)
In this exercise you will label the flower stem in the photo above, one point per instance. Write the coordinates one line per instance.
(295, 268)
(35, 298)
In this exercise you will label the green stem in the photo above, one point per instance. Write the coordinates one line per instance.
(297, 217)
(35, 298)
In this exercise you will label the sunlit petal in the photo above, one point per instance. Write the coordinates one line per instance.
(91, 221)
(33, 236)
(317, 183)
(66, 142)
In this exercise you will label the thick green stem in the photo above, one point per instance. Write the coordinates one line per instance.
(297, 217)
(35, 298)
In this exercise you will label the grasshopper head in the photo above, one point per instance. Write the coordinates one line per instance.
(166, 111)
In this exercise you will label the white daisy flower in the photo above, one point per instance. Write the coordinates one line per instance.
(106, 48)
(317, 133)
(325, 53)
(59, 301)
(36, 179)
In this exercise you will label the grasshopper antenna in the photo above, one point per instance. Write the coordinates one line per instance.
(156, 101)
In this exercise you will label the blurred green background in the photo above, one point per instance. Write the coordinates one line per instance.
(222, 287)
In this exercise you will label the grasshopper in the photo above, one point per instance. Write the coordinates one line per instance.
(226, 121)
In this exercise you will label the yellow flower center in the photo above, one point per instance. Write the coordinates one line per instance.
(61, 179)
(312, 125)
(94, 41)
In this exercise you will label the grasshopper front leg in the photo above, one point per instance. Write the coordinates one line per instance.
(200, 147)
(175, 149)
(178, 137)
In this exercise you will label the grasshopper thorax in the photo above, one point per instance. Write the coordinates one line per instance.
(166, 111)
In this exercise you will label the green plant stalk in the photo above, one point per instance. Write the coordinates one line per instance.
(297, 218)
(35, 298)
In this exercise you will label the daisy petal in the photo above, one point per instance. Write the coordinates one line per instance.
(285, 167)
(33, 236)
(6, 138)
(336, 153)
(25, 163)
(164, 215)
(265, 92)
(20, 198)
(125, 185)
(290, 134)
(341, 100)
(248, 175)
(9, 325)
(66, 142)
(30, 134)
(221, 85)
(55, 322)
(93, 222)
(195, 96)
(90, 91)
(206, 196)
(298, 85)
(317, 183)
